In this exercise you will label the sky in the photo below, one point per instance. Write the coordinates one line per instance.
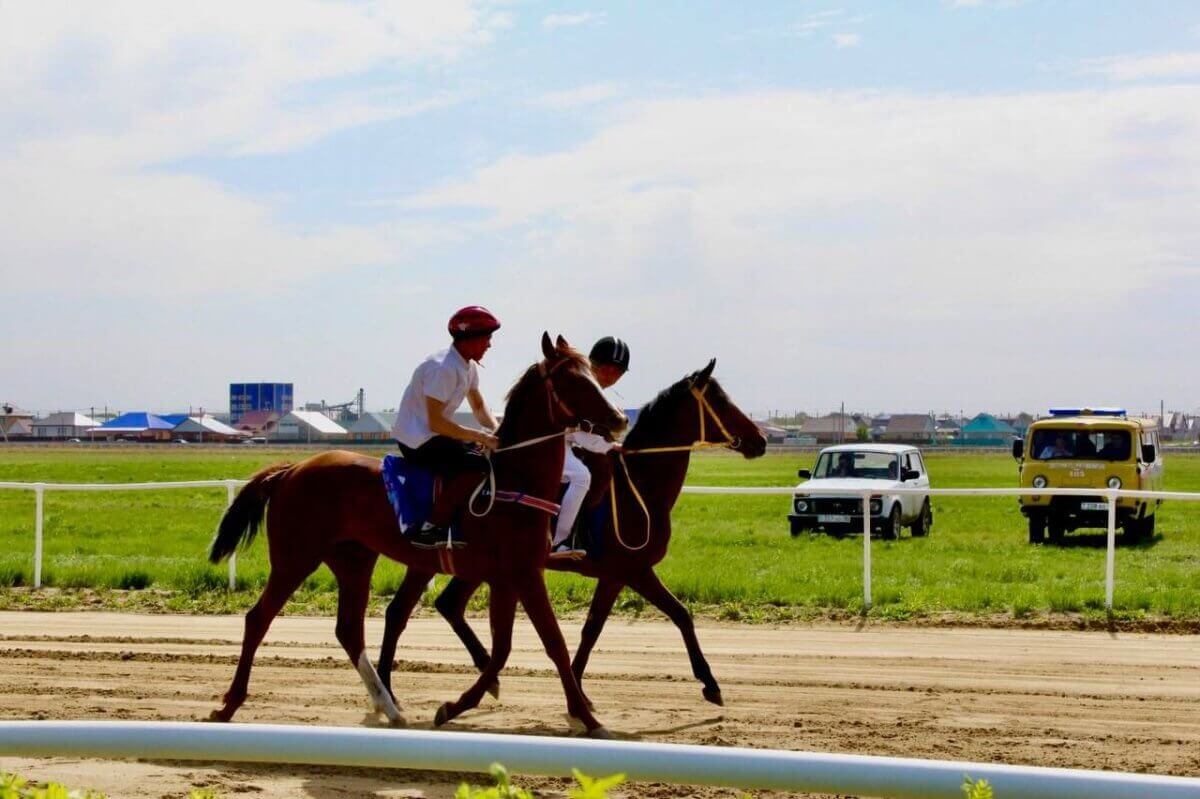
(905, 206)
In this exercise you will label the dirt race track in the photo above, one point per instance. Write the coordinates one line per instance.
(1091, 700)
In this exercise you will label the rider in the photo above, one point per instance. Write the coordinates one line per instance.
(610, 361)
(426, 431)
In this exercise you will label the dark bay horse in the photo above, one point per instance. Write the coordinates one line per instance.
(332, 508)
(694, 413)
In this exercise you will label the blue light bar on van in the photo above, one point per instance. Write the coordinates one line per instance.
(1087, 411)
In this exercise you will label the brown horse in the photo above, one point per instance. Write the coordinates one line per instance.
(332, 508)
(692, 414)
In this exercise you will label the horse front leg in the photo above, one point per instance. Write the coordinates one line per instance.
(502, 609)
(536, 601)
(606, 593)
(399, 611)
(651, 587)
(452, 604)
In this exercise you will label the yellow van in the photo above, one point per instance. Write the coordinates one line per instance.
(1089, 448)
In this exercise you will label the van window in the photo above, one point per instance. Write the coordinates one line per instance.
(1104, 445)
(1151, 440)
(917, 463)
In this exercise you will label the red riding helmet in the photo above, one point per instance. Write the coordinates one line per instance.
(474, 320)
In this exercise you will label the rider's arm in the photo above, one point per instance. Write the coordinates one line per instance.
(483, 414)
(591, 442)
(442, 426)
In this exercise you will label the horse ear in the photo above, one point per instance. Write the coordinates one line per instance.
(704, 374)
(561, 344)
(547, 346)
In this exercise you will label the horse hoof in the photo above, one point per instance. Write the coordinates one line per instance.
(494, 689)
(601, 734)
(398, 723)
(217, 716)
(714, 695)
(442, 715)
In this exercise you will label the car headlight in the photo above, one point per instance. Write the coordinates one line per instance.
(1039, 482)
(1114, 482)
(801, 505)
(876, 506)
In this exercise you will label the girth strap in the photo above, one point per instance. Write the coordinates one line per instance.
(521, 498)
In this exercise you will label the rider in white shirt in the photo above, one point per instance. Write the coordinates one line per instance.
(425, 428)
(610, 361)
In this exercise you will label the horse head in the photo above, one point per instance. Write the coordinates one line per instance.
(576, 399)
(696, 410)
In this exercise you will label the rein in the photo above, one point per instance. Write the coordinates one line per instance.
(705, 410)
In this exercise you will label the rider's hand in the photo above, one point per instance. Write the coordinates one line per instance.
(617, 447)
(487, 441)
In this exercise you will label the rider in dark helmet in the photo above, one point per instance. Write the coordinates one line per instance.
(592, 474)
(425, 428)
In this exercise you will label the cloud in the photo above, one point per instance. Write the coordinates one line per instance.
(817, 21)
(842, 228)
(555, 21)
(589, 94)
(102, 99)
(844, 40)
(1166, 66)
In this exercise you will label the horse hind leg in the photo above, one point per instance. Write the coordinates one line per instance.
(502, 609)
(399, 611)
(281, 584)
(651, 587)
(352, 565)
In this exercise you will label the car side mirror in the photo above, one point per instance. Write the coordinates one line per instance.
(803, 474)
(1018, 448)
(1147, 453)
(909, 474)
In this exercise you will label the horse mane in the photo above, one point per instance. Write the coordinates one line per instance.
(532, 378)
(657, 411)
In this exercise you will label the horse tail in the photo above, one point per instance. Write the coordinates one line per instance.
(242, 519)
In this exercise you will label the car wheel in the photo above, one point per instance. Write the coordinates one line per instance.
(1037, 529)
(891, 529)
(924, 522)
(1056, 529)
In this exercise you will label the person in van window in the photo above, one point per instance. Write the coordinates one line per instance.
(1058, 449)
(1116, 448)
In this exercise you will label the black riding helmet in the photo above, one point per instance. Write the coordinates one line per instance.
(611, 351)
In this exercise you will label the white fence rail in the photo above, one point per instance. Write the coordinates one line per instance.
(1110, 495)
(747, 769)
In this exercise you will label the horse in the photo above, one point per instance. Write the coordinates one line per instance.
(647, 479)
(332, 508)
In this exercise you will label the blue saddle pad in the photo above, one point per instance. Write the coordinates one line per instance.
(409, 490)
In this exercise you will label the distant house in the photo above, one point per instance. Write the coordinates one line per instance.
(773, 433)
(206, 428)
(258, 423)
(947, 428)
(910, 428)
(14, 422)
(829, 429)
(308, 426)
(986, 430)
(138, 425)
(1020, 423)
(64, 425)
(373, 426)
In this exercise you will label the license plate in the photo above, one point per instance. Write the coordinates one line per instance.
(1093, 506)
(828, 518)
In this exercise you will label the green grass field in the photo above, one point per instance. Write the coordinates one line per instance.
(730, 555)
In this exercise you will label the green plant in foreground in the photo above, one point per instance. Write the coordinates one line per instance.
(586, 788)
(977, 789)
(13, 786)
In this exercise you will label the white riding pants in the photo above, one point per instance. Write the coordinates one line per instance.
(578, 480)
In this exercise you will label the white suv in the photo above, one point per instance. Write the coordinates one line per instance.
(859, 467)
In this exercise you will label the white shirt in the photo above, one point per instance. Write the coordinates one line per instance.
(589, 441)
(444, 376)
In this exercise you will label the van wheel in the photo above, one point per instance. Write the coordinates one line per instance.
(1037, 529)
(1057, 529)
(891, 530)
(924, 522)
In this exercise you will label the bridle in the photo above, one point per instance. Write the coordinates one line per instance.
(705, 409)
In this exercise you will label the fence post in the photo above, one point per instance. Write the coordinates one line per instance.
(866, 514)
(1112, 550)
(229, 491)
(39, 492)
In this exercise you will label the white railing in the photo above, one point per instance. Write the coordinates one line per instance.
(746, 769)
(1111, 496)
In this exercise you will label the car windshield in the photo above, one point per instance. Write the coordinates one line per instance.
(869, 465)
(1092, 445)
